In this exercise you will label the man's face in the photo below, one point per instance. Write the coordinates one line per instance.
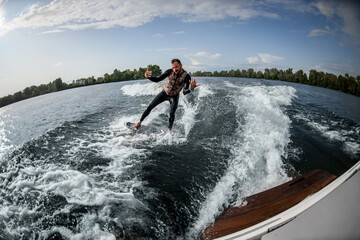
(176, 67)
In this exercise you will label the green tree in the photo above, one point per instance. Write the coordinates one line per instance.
(57, 85)
(281, 75)
(300, 77)
(107, 78)
(18, 96)
(224, 73)
(259, 75)
(116, 76)
(267, 73)
(156, 71)
(289, 76)
(244, 73)
(90, 80)
(312, 77)
(128, 74)
(27, 92)
(6, 100)
(232, 73)
(140, 74)
(274, 74)
(352, 86)
(100, 80)
(197, 73)
(250, 73)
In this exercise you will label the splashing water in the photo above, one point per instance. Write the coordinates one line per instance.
(82, 174)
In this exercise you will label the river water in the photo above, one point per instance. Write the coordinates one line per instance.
(70, 169)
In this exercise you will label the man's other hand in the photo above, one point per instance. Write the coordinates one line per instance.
(193, 84)
(148, 73)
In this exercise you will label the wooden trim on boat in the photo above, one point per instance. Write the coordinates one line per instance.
(267, 204)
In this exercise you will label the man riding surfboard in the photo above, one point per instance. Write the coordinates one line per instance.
(178, 79)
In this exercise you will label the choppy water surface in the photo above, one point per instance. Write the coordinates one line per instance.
(70, 169)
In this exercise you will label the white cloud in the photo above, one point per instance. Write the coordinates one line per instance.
(351, 67)
(265, 58)
(103, 14)
(252, 60)
(168, 49)
(2, 16)
(52, 31)
(206, 55)
(327, 8)
(321, 32)
(348, 11)
(159, 35)
(217, 10)
(202, 58)
(301, 6)
(60, 15)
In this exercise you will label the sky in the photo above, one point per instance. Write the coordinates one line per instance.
(41, 41)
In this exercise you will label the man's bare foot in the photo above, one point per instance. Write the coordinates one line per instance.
(137, 125)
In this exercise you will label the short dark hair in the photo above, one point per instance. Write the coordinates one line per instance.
(175, 60)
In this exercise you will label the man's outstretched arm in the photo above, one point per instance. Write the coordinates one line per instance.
(157, 79)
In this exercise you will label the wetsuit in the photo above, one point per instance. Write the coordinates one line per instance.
(170, 93)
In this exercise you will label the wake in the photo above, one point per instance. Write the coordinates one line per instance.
(259, 144)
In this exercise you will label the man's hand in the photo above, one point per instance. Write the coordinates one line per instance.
(148, 73)
(193, 84)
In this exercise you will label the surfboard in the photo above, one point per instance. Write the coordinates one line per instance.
(130, 126)
(144, 129)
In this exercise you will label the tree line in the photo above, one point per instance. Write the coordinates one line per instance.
(59, 85)
(346, 84)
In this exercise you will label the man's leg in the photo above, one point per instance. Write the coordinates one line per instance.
(174, 101)
(157, 100)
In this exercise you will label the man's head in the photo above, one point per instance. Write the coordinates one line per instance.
(176, 65)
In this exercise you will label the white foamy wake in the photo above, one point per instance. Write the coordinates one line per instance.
(75, 186)
(93, 230)
(333, 131)
(259, 145)
(192, 108)
(38, 178)
(142, 89)
(78, 188)
(5, 144)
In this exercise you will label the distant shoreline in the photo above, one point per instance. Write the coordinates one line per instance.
(346, 84)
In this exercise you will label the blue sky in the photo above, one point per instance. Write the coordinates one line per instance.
(43, 40)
